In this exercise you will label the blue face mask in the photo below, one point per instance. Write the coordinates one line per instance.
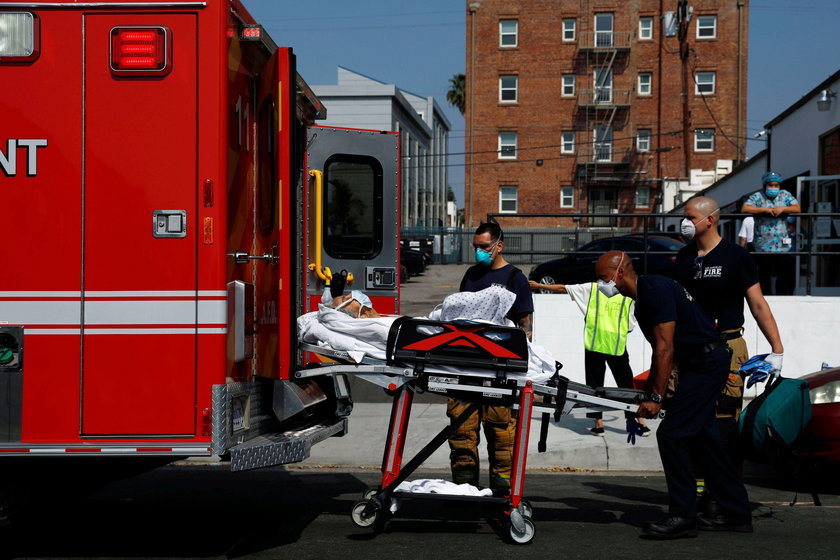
(771, 193)
(362, 298)
(483, 257)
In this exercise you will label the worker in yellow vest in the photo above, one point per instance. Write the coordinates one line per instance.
(607, 322)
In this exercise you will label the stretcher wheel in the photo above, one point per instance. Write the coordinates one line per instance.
(527, 535)
(526, 509)
(369, 493)
(358, 517)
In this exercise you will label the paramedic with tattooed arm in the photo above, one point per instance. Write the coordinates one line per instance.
(499, 424)
(680, 333)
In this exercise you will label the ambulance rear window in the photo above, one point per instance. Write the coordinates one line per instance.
(353, 207)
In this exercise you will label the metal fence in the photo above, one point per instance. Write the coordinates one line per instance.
(815, 249)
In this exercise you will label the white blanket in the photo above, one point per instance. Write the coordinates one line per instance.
(333, 329)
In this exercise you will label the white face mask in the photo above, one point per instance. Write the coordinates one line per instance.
(609, 289)
(687, 229)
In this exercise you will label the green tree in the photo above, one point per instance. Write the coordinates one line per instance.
(457, 93)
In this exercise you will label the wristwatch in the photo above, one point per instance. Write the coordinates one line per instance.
(654, 397)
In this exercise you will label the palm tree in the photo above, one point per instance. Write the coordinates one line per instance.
(457, 95)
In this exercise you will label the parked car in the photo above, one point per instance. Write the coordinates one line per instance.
(423, 244)
(823, 432)
(578, 267)
(413, 260)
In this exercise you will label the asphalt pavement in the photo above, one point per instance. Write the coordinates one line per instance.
(205, 511)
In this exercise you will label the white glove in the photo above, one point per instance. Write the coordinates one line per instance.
(775, 361)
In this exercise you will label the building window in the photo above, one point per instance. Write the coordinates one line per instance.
(508, 86)
(508, 198)
(603, 30)
(603, 142)
(569, 30)
(567, 197)
(642, 197)
(568, 85)
(704, 140)
(509, 33)
(645, 83)
(645, 28)
(706, 27)
(643, 140)
(507, 145)
(603, 78)
(704, 83)
(568, 144)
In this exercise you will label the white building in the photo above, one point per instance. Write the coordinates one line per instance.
(803, 146)
(358, 101)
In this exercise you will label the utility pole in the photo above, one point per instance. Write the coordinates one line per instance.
(683, 18)
(471, 73)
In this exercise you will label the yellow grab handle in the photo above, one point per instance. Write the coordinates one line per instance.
(324, 273)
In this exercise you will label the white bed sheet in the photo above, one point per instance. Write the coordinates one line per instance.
(336, 330)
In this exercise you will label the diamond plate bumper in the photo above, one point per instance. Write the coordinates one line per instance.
(283, 447)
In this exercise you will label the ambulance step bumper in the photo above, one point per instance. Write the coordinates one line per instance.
(280, 448)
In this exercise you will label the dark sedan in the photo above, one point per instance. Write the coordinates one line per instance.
(413, 260)
(578, 267)
(823, 433)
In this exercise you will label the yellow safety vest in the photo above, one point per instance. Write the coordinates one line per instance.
(607, 323)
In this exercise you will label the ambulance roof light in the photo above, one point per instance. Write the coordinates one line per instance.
(19, 36)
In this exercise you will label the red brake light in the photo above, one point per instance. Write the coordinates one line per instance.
(141, 50)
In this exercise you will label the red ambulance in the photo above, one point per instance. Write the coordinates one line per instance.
(171, 209)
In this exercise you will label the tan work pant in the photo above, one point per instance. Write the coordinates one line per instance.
(499, 428)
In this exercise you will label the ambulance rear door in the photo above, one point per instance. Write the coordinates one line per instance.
(354, 174)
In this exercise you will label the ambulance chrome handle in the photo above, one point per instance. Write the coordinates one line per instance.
(241, 257)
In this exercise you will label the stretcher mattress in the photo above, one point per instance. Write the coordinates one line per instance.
(366, 339)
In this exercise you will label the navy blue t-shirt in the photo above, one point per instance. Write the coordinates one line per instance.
(718, 281)
(661, 300)
(479, 277)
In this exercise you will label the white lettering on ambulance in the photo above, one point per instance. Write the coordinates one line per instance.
(8, 161)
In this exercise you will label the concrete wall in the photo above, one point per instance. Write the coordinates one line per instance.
(808, 326)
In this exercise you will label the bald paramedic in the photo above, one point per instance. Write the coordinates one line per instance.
(681, 333)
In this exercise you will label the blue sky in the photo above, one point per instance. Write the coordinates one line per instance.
(419, 46)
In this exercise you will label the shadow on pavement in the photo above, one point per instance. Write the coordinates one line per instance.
(201, 511)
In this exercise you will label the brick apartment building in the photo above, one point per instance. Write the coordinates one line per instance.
(577, 105)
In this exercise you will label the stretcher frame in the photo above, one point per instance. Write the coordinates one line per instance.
(403, 380)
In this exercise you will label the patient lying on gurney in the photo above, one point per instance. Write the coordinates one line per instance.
(350, 323)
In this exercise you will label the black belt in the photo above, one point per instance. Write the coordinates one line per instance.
(732, 335)
(712, 346)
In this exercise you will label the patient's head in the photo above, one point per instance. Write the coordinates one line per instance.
(356, 304)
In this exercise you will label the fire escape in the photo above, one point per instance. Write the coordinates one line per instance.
(603, 53)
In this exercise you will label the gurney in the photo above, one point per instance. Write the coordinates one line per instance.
(476, 363)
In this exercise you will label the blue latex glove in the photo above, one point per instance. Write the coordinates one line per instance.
(756, 369)
(633, 429)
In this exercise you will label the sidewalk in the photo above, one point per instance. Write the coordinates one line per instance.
(569, 444)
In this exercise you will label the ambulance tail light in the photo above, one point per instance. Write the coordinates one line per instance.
(141, 51)
(19, 36)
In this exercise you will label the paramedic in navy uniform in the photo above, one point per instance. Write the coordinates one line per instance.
(681, 333)
(720, 275)
(499, 425)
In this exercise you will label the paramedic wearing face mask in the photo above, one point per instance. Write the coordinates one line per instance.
(607, 321)
(769, 207)
(720, 275)
(682, 334)
(499, 424)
